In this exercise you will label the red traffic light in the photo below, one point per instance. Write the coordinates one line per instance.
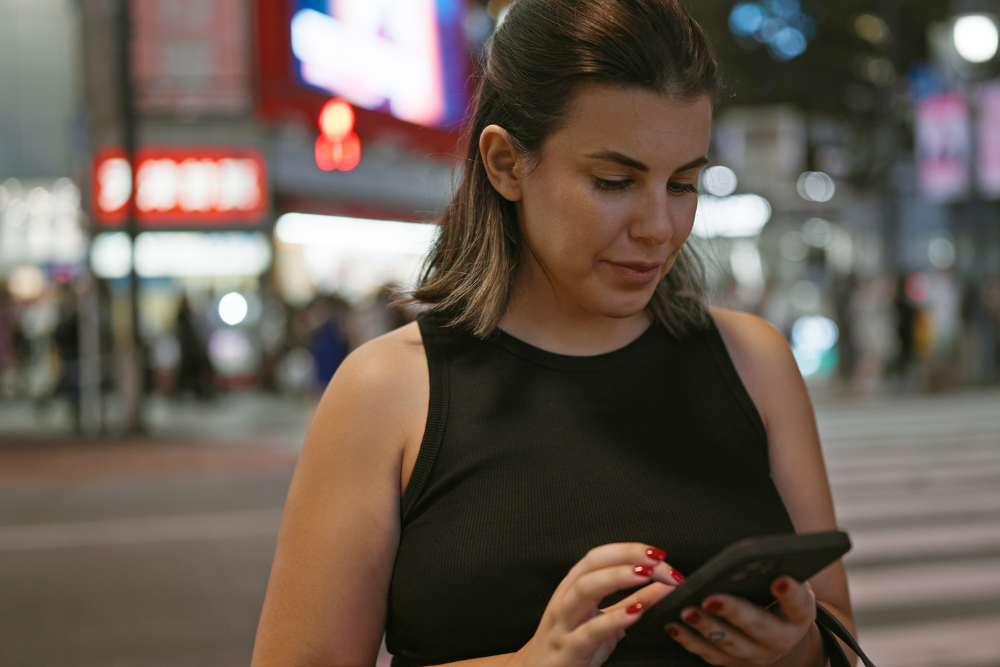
(338, 147)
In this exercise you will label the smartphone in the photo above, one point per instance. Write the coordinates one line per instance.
(744, 569)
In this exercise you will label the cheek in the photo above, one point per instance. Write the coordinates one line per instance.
(567, 223)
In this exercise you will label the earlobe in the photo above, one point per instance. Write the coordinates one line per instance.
(501, 161)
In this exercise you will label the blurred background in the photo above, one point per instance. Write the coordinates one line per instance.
(205, 205)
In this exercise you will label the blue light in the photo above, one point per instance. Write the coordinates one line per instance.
(746, 18)
(788, 43)
(769, 31)
(780, 24)
(784, 8)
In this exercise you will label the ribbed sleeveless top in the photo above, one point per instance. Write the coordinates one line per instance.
(531, 458)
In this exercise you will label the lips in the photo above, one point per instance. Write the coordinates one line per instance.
(637, 273)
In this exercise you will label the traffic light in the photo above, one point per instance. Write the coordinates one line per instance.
(338, 147)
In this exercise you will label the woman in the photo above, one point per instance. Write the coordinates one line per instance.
(498, 483)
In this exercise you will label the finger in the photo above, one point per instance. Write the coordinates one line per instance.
(580, 601)
(667, 574)
(759, 625)
(796, 602)
(696, 644)
(586, 639)
(647, 596)
(619, 553)
(606, 555)
(723, 636)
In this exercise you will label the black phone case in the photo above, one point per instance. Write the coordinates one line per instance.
(744, 569)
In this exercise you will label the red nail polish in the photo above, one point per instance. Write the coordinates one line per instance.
(693, 618)
(678, 577)
(782, 586)
(634, 609)
(713, 606)
(656, 554)
(673, 632)
(643, 570)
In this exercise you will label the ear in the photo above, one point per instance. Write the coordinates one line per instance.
(501, 162)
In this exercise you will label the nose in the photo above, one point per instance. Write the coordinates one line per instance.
(653, 222)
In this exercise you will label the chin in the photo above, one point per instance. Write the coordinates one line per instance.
(621, 306)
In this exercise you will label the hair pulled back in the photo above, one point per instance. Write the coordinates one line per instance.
(527, 77)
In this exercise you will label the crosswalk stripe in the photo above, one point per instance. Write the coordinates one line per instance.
(957, 643)
(916, 482)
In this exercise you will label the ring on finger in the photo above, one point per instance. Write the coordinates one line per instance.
(716, 636)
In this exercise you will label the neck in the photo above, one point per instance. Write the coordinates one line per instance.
(540, 316)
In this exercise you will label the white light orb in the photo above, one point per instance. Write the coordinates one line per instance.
(941, 253)
(233, 308)
(814, 333)
(719, 181)
(816, 186)
(975, 37)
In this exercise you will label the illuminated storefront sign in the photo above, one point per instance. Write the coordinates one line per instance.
(404, 57)
(988, 148)
(175, 185)
(944, 146)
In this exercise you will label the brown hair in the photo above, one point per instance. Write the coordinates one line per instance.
(528, 73)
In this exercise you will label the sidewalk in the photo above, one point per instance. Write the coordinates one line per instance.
(246, 418)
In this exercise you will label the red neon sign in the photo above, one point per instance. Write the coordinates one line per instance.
(181, 185)
(338, 147)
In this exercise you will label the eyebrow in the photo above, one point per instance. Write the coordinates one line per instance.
(625, 160)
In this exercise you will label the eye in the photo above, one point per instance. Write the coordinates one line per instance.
(682, 188)
(612, 186)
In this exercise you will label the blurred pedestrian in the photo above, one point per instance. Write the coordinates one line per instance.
(194, 370)
(903, 366)
(66, 340)
(327, 315)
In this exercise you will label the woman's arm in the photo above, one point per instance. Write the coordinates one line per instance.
(768, 370)
(326, 598)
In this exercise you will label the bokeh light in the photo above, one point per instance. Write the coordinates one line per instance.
(816, 186)
(780, 24)
(917, 286)
(233, 308)
(719, 181)
(976, 38)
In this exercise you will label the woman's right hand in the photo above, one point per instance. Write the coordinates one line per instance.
(574, 631)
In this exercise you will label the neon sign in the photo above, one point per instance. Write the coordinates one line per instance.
(181, 185)
(404, 57)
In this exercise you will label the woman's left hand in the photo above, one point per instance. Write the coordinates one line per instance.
(733, 632)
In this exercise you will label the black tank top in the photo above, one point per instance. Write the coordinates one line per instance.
(530, 458)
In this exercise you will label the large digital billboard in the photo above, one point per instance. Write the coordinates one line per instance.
(406, 58)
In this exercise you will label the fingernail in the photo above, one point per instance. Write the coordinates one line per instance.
(656, 554)
(678, 577)
(673, 632)
(634, 609)
(782, 586)
(693, 618)
(643, 570)
(713, 606)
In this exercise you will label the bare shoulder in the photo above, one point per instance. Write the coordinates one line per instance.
(748, 335)
(762, 358)
(380, 386)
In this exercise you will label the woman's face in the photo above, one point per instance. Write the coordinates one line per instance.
(612, 200)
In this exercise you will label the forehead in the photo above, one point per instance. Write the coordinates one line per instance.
(643, 124)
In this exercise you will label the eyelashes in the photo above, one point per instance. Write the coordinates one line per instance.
(683, 188)
(612, 186)
(618, 186)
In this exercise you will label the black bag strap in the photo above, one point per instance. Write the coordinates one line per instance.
(832, 629)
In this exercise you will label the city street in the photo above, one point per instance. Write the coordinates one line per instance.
(157, 554)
